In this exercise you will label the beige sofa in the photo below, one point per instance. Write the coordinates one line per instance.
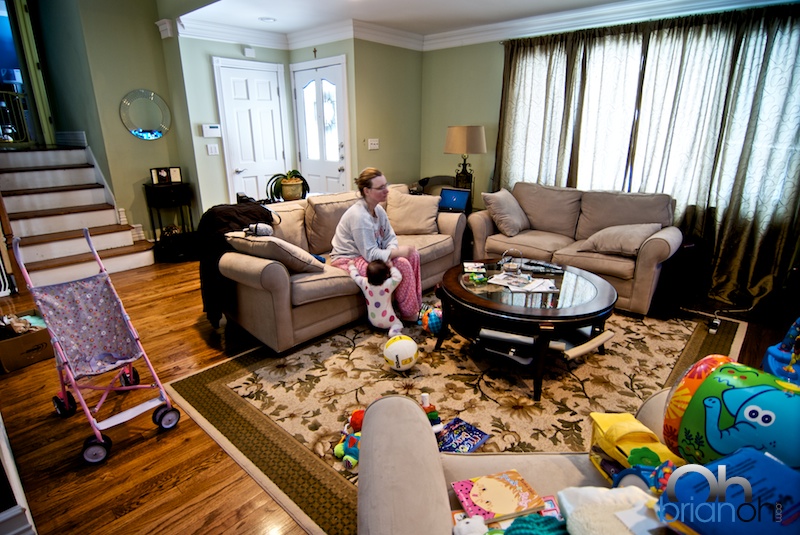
(622, 237)
(404, 481)
(285, 296)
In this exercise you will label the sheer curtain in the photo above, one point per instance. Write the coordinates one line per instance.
(704, 108)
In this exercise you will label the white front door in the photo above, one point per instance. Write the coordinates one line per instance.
(321, 117)
(253, 123)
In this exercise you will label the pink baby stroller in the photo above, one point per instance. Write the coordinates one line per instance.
(92, 335)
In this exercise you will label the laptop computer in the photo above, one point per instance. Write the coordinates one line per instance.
(454, 200)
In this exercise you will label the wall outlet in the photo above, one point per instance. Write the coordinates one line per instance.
(373, 144)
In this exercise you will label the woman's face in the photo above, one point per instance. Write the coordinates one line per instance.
(378, 191)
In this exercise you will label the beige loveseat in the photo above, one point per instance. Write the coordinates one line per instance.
(285, 296)
(404, 481)
(622, 237)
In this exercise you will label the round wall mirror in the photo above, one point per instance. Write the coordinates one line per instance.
(145, 114)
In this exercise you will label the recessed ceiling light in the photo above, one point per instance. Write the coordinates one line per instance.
(267, 19)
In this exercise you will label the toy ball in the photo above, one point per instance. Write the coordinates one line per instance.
(400, 352)
(720, 405)
(432, 320)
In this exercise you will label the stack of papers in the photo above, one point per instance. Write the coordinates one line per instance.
(523, 283)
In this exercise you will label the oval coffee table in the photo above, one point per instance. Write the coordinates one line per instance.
(519, 324)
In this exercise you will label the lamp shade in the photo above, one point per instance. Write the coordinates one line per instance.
(465, 140)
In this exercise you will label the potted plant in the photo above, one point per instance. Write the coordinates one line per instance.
(288, 186)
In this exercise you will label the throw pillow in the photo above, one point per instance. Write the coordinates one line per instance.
(412, 214)
(294, 258)
(623, 240)
(506, 212)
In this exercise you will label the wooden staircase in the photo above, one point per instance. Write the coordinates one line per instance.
(49, 195)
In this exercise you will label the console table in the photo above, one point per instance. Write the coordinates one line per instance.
(176, 199)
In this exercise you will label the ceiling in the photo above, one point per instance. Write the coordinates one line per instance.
(421, 17)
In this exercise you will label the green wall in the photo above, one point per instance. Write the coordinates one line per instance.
(97, 51)
(460, 86)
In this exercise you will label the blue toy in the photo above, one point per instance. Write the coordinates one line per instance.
(347, 450)
(781, 358)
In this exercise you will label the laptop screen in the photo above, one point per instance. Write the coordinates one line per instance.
(453, 199)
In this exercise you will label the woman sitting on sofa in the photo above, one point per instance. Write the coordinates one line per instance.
(364, 234)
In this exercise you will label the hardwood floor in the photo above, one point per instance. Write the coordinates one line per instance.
(178, 481)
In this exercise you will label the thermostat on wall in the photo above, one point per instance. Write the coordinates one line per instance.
(211, 130)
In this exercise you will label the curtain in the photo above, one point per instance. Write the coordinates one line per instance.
(704, 108)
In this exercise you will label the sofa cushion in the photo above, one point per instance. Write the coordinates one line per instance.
(429, 246)
(294, 258)
(601, 209)
(506, 212)
(621, 267)
(534, 244)
(550, 208)
(291, 226)
(412, 214)
(622, 240)
(322, 216)
(313, 287)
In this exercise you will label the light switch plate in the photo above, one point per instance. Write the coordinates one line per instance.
(213, 149)
(373, 144)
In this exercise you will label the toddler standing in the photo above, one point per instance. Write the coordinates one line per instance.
(379, 284)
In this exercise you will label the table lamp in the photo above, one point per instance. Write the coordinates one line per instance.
(465, 140)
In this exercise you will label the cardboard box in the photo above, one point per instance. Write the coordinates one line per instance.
(25, 349)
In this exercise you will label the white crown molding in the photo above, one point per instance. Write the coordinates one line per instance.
(231, 34)
(590, 17)
(624, 12)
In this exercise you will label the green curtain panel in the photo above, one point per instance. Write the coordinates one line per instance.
(705, 108)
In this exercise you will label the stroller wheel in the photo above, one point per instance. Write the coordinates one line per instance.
(130, 379)
(165, 417)
(61, 406)
(95, 451)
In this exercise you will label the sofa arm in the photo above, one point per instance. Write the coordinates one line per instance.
(653, 252)
(401, 484)
(261, 274)
(482, 226)
(453, 225)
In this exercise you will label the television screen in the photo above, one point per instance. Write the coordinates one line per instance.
(454, 199)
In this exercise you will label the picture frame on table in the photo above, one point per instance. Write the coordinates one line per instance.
(165, 175)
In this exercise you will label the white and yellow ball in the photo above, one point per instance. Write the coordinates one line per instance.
(400, 352)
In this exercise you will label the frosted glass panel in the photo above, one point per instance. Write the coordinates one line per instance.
(312, 128)
(331, 133)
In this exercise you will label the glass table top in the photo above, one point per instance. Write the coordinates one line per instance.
(531, 285)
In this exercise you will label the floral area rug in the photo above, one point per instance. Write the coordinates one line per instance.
(281, 416)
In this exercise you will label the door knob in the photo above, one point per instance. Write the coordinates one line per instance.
(239, 171)
(341, 169)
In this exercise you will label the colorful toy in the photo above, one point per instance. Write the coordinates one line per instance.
(475, 525)
(347, 450)
(781, 358)
(400, 352)
(654, 477)
(431, 320)
(432, 413)
(356, 420)
(720, 406)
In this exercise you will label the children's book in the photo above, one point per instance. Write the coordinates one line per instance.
(498, 497)
(459, 436)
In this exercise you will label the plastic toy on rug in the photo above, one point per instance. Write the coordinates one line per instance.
(432, 413)
(720, 406)
(781, 359)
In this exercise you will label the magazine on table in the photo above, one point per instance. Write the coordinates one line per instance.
(524, 283)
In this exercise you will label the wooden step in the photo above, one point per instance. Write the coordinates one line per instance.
(60, 211)
(137, 247)
(51, 189)
(42, 168)
(72, 234)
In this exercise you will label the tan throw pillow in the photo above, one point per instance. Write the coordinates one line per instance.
(412, 214)
(294, 258)
(623, 240)
(506, 212)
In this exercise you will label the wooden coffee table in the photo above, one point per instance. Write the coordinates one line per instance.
(526, 322)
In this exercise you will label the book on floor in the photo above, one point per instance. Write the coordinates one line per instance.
(458, 436)
(498, 497)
